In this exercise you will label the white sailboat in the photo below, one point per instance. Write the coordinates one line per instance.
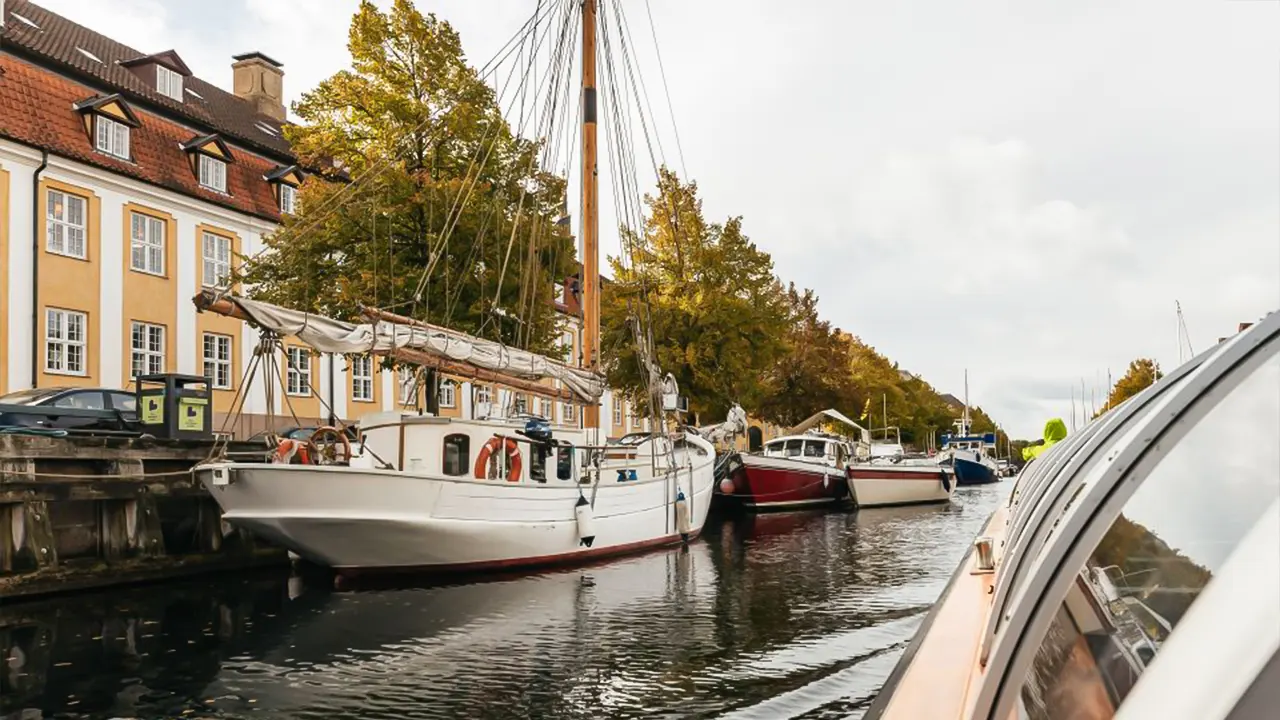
(425, 493)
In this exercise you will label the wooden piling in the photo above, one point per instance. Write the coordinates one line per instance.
(80, 513)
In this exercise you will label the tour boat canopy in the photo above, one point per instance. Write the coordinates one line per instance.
(414, 341)
(830, 414)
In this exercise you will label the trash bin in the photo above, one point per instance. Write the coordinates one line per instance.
(175, 407)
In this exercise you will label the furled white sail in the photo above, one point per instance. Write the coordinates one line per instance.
(334, 336)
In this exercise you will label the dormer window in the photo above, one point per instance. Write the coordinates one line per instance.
(213, 173)
(163, 70)
(111, 137)
(169, 83)
(288, 196)
(107, 121)
(209, 156)
(285, 181)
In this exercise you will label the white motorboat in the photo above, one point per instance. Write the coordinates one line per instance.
(1134, 572)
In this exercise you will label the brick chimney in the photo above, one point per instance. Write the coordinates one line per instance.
(260, 80)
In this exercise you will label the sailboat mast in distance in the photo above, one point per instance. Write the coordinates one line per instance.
(590, 208)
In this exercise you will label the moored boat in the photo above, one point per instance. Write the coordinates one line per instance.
(457, 501)
(791, 472)
(806, 468)
(1116, 582)
(875, 484)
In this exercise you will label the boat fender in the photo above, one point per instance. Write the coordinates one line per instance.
(486, 452)
(586, 521)
(684, 524)
(946, 482)
(727, 487)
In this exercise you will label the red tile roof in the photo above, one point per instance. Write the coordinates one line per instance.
(36, 110)
(54, 44)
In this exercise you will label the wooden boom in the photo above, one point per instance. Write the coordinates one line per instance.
(207, 301)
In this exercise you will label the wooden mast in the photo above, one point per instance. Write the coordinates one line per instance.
(590, 208)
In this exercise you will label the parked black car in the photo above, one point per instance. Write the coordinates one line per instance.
(70, 408)
(299, 433)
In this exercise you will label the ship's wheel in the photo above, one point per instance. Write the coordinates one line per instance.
(331, 446)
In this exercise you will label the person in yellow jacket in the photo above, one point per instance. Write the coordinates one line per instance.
(1054, 431)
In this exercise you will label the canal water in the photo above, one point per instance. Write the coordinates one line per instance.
(797, 615)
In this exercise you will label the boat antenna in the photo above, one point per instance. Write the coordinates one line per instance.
(1184, 337)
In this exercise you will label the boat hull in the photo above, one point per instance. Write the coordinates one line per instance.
(880, 486)
(770, 483)
(361, 522)
(969, 472)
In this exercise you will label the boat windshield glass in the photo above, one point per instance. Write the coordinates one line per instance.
(814, 448)
(1159, 554)
(793, 447)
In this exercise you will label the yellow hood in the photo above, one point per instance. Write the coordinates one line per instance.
(1054, 431)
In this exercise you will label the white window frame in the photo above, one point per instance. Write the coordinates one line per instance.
(146, 348)
(169, 83)
(448, 393)
(217, 364)
(407, 386)
(569, 412)
(298, 372)
(213, 173)
(546, 408)
(64, 234)
(146, 243)
(617, 413)
(362, 378)
(58, 325)
(288, 198)
(484, 394)
(111, 137)
(566, 344)
(215, 254)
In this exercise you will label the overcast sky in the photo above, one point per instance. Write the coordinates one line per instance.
(1019, 189)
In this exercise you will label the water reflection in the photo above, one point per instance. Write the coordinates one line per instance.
(770, 616)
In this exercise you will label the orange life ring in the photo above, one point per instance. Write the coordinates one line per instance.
(292, 452)
(486, 452)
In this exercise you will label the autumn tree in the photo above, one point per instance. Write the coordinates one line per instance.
(814, 371)
(434, 207)
(707, 295)
(1142, 373)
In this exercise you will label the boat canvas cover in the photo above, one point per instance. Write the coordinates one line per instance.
(335, 336)
(813, 420)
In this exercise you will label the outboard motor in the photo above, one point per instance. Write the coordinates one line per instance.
(538, 431)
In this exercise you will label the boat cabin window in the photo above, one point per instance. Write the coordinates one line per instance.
(815, 448)
(1158, 555)
(457, 455)
(564, 463)
(538, 456)
(794, 447)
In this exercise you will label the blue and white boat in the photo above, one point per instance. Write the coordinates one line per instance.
(970, 457)
(967, 455)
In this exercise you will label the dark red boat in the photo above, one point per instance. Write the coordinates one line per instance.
(792, 472)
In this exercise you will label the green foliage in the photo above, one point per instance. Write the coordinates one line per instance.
(718, 315)
(813, 373)
(1142, 373)
(437, 173)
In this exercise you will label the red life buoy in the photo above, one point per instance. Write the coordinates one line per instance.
(486, 452)
(292, 452)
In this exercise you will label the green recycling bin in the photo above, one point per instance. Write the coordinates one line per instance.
(175, 407)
